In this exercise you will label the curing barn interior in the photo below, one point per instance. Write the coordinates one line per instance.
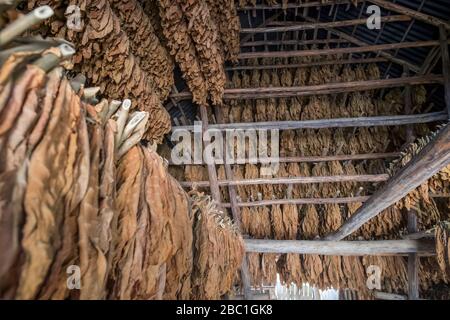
(205, 149)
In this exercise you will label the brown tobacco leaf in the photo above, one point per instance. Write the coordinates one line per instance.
(154, 58)
(183, 49)
(218, 250)
(57, 180)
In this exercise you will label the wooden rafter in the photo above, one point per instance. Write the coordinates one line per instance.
(388, 5)
(247, 37)
(358, 42)
(434, 157)
(421, 247)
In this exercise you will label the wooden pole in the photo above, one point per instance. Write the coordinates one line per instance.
(350, 157)
(299, 201)
(330, 88)
(413, 261)
(293, 180)
(307, 65)
(445, 66)
(250, 35)
(337, 51)
(291, 42)
(433, 158)
(212, 173)
(322, 25)
(235, 211)
(342, 248)
(383, 121)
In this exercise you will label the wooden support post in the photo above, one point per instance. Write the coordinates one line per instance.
(343, 248)
(235, 211)
(433, 158)
(413, 261)
(445, 66)
(212, 173)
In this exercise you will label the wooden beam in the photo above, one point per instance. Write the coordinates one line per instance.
(381, 121)
(235, 211)
(263, 203)
(291, 42)
(311, 4)
(322, 25)
(312, 159)
(307, 65)
(430, 160)
(293, 180)
(342, 248)
(330, 88)
(388, 296)
(412, 13)
(250, 35)
(212, 173)
(413, 261)
(358, 42)
(445, 66)
(337, 51)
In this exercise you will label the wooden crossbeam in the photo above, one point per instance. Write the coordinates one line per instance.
(330, 88)
(323, 25)
(412, 13)
(343, 248)
(263, 203)
(291, 42)
(265, 23)
(308, 65)
(381, 121)
(337, 51)
(293, 180)
(433, 158)
(313, 159)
